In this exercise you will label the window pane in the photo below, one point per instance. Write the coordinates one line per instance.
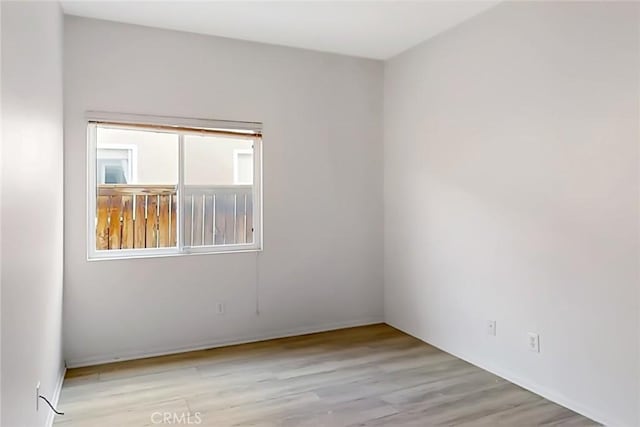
(243, 168)
(137, 177)
(218, 210)
(114, 174)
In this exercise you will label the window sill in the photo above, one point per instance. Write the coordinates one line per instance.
(168, 254)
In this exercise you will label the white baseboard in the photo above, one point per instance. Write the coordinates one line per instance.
(55, 398)
(527, 384)
(119, 357)
(532, 386)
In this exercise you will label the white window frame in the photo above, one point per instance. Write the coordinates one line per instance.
(246, 129)
(132, 151)
(236, 154)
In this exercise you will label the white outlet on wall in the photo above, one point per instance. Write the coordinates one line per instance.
(491, 327)
(37, 396)
(534, 342)
(220, 308)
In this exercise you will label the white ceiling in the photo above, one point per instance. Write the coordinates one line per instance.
(371, 29)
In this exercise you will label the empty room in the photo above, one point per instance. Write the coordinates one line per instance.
(320, 213)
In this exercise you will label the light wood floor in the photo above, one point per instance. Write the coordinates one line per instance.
(368, 376)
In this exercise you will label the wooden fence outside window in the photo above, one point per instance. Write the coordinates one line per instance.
(141, 216)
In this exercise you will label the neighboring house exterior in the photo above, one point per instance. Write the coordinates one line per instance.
(149, 158)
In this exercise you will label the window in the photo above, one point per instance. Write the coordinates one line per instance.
(243, 167)
(115, 163)
(160, 186)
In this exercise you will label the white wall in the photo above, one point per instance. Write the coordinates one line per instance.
(32, 223)
(322, 263)
(511, 193)
(1, 215)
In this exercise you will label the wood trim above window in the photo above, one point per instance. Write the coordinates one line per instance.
(177, 124)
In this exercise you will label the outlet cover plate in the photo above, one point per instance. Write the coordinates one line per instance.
(491, 327)
(534, 342)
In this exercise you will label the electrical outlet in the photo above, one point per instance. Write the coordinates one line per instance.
(37, 396)
(491, 327)
(534, 342)
(220, 308)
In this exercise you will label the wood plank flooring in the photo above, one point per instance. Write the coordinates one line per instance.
(366, 376)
